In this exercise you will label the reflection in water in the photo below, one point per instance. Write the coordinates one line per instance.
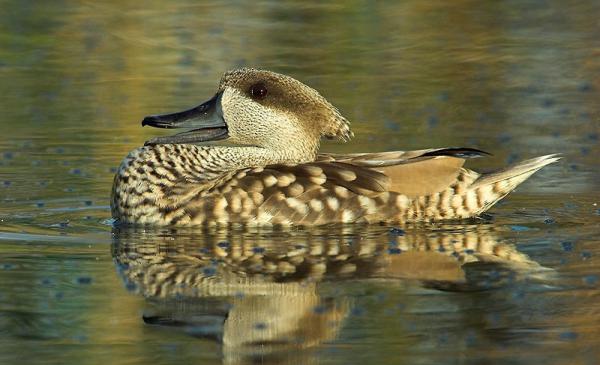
(257, 291)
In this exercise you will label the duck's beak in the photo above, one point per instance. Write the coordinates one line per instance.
(205, 123)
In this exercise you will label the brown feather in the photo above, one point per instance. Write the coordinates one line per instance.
(424, 177)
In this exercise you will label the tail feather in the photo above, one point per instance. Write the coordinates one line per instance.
(518, 172)
(496, 185)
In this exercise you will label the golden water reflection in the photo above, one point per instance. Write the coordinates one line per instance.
(258, 291)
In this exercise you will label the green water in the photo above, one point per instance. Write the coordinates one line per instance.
(515, 78)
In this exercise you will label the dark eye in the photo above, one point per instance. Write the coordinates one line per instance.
(258, 90)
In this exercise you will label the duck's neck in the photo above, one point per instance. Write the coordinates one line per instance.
(242, 156)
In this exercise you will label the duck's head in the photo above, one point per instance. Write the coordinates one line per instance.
(258, 108)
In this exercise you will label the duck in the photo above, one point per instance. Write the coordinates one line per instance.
(250, 156)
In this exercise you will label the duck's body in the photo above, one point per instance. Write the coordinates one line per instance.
(275, 176)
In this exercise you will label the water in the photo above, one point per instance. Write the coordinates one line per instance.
(517, 78)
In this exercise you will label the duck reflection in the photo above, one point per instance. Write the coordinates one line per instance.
(257, 292)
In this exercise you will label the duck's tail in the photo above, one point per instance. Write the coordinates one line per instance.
(492, 187)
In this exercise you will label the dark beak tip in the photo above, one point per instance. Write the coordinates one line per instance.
(151, 120)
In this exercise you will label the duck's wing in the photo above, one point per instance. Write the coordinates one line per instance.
(399, 186)
(415, 173)
(345, 188)
(383, 159)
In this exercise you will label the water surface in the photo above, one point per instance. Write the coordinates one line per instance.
(516, 78)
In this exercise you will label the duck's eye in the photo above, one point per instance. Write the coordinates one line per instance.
(258, 90)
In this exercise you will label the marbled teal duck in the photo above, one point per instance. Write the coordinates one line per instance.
(270, 171)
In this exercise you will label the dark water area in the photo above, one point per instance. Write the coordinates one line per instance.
(518, 79)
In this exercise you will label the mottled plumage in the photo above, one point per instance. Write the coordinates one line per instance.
(274, 175)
